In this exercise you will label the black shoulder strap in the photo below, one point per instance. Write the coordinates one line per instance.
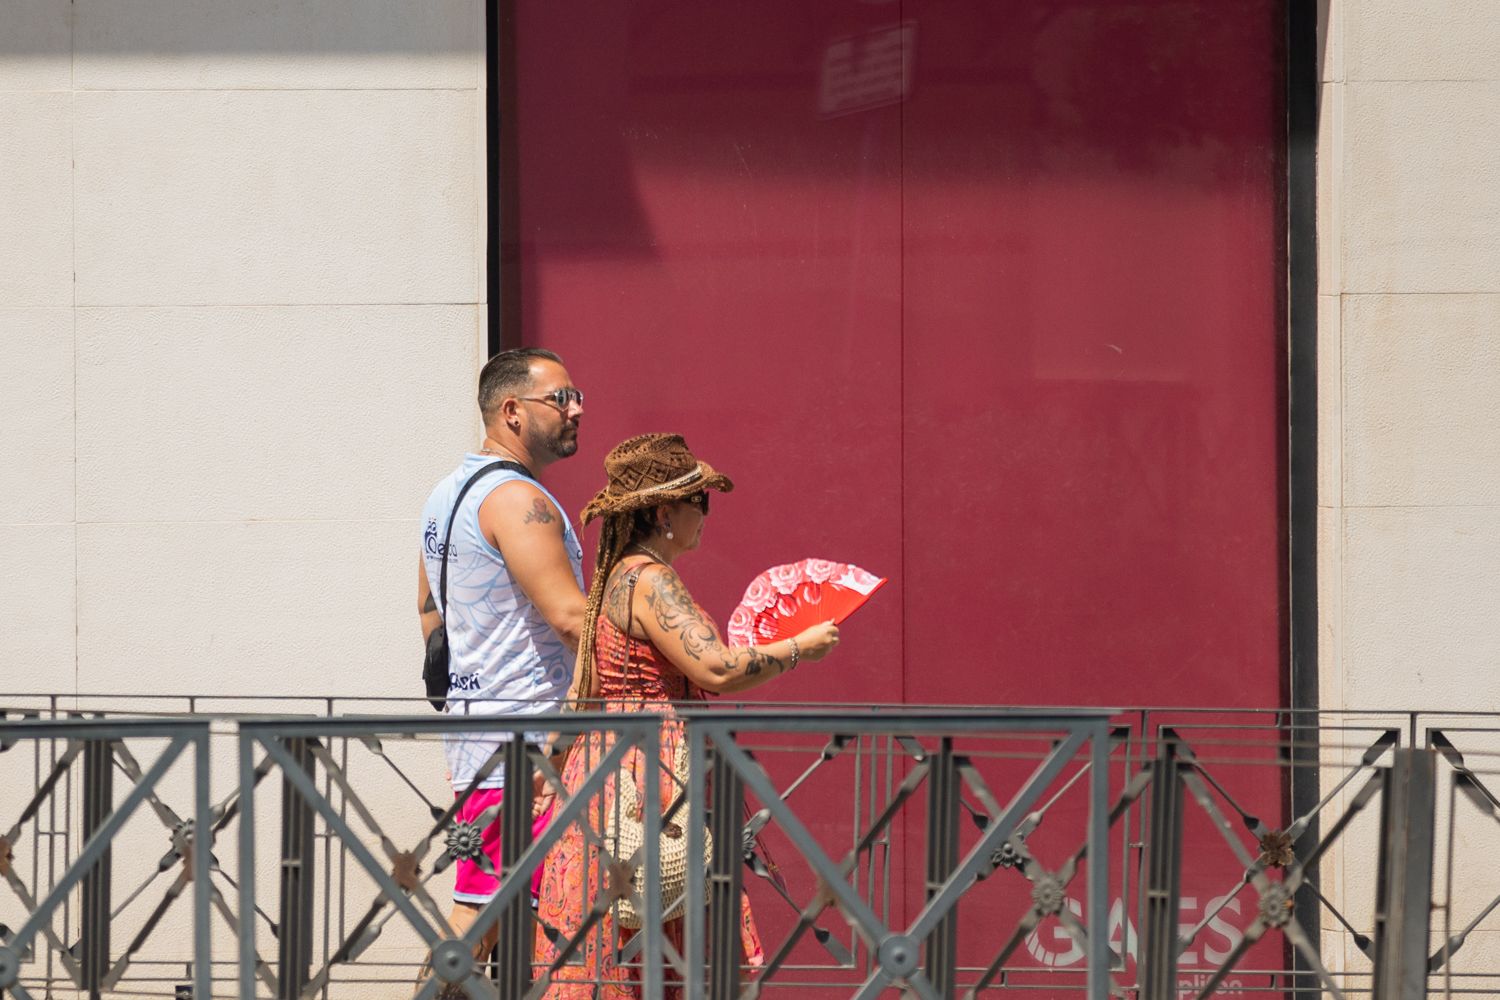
(453, 515)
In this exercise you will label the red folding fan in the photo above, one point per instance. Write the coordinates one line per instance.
(786, 599)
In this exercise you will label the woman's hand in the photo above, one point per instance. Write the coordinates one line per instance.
(817, 642)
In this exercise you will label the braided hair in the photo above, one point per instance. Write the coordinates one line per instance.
(617, 533)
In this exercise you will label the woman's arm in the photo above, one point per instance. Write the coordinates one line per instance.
(678, 627)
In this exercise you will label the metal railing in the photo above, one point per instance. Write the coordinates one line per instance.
(937, 852)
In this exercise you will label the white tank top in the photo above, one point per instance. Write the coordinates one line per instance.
(499, 645)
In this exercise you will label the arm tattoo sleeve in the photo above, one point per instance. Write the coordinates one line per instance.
(676, 612)
(616, 607)
(540, 513)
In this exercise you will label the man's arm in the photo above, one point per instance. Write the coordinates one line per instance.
(427, 609)
(519, 520)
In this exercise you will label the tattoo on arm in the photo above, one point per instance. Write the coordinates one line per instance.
(540, 513)
(676, 611)
(758, 661)
(616, 601)
(430, 605)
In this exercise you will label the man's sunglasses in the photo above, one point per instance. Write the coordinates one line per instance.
(699, 500)
(560, 398)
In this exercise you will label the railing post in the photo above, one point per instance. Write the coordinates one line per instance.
(1159, 944)
(726, 823)
(1403, 894)
(514, 943)
(942, 859)
(98, 803)
(294, 927)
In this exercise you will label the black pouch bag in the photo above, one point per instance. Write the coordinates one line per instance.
(435, 659)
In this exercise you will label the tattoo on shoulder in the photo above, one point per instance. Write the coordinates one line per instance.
(676, 611)
(616, 600)
(540, 513)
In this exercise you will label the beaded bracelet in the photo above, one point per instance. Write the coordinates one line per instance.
(796, 654)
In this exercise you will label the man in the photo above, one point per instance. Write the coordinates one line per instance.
(515, 584)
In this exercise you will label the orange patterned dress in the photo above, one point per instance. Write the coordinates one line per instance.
(633, 677)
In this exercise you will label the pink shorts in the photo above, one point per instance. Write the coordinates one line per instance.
(471, 883)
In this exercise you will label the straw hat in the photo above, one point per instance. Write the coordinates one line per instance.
(652, 469)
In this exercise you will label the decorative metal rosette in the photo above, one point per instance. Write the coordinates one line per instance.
(465, 841)
(1276, 905)
(1047, 895)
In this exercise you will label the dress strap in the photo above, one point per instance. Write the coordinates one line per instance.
(630, 578)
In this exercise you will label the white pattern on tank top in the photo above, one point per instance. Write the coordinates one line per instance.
(503, 657)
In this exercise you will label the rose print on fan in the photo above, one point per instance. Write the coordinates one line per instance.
(758, 596)
(786, 579)
(821, 570)
(741, 621)
(786, 599)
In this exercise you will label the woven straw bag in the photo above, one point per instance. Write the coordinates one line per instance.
(626, 832)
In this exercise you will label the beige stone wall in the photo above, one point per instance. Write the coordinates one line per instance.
(1409, 382)
(1409, 359)
(241, 316)
(241, 313)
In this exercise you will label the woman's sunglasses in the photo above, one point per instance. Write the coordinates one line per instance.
(699, 500)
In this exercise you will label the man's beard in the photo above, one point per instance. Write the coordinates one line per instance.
(563, 444)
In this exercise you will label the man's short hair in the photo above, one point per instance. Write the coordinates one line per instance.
(508, 374)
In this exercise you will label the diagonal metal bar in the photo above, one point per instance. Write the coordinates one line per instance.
(1289, 885)
(100, 842)
(1449, 752)
(1369, 758)
(127, 763)
(805, 922)
(262, 968)
(373, 744)
(909, 786)
(1185, 941)
(228, 809)
(74, 748)
(1028, 923)
(1052, 765)
(922, 986)
(112, 977)
(1361, 941)
(63, 952)
(1194, 780)
(336, 773)
(1064, 875)
(832, 875)
(1468, 783)
(1252, 934)
(534, 854)
(834, 747)
(292, 771)
(878, 983)
(1293, 930)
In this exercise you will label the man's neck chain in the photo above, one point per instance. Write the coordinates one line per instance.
(500, 453)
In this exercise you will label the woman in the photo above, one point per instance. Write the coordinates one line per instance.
(645, 644)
